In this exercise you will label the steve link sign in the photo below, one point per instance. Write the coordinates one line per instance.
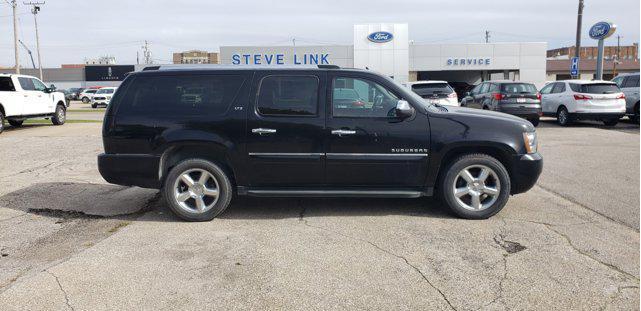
(280, 59)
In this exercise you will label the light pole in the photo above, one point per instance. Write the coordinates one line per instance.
(35, 10)
(13, 5)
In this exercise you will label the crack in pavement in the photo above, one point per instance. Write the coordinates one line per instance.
(62, 289)
(550, 227)
(306, 223)
(572, 200)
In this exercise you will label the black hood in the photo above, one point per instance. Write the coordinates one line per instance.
(480, 114)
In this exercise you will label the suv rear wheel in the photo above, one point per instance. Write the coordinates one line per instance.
(197, 190)
(535, 121)
(563, 117)
(475, 186)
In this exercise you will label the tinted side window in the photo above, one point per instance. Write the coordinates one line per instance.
(559, 87)
(181, 94)
(493, 88)
(484, 88)
(288, 96)
(38, 86)
(6, 84)
(575, 87)
(631, 81)
(547, 89)
(359, 98)
(619, 81)
(26, 84)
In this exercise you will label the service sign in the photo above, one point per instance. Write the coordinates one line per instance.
(602, 30)
(380, 37)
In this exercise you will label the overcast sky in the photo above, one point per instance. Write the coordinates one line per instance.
(72, 30)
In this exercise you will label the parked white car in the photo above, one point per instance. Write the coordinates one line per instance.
(583, 100)
(23, 97)
(86, 95)
(102, 97)
(434, 92)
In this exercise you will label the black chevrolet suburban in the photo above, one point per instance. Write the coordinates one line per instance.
(203, 135)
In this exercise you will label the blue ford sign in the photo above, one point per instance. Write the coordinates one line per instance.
(380, 37)
(602, 30)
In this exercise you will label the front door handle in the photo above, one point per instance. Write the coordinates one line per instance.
(261, 131)
(341, 133)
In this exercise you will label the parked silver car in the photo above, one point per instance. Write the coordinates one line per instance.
(629, 84)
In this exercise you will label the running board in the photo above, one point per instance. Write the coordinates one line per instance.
(333, 193)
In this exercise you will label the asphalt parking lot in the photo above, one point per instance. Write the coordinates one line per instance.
(69, 240)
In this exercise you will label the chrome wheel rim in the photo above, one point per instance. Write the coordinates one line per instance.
(562, 116)
(476, 187)
(196, 191)
(61, 114)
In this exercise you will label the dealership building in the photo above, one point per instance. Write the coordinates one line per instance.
(385, 48)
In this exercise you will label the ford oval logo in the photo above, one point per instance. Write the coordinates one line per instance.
(380, 37)
(602, 30)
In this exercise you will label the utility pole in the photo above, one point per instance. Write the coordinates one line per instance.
(294, 41)
(487, 36)
(146, 53)
(13, 5)
(35, 9)
(579, 21)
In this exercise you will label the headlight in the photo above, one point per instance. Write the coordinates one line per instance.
(531, 143)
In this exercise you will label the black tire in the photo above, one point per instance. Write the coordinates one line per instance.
(535, 121)
(1, 122)
(563, 117)
(450, 177)
(225, 192)
(611, 122)
(16, 123)
(94, 106)
(60, 116)
(85, 100)
(635, 117)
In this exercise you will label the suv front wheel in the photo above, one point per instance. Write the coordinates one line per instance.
(475, 186)
(197, 190)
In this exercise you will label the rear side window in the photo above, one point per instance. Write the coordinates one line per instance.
(26, 84)
(6, 84)
(288, 96)
(631, 81)
(559, 87)
(432, 88)
(518, 88)
(181, 95)
(599, 88)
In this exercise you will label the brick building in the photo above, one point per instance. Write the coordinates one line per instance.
(630, 52)
(196, 57)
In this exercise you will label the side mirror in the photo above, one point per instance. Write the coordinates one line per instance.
(52, 88)
(404, 109)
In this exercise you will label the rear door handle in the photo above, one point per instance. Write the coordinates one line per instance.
(261, 131)
(341, 133)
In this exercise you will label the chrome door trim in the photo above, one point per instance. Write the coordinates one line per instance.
(284, 154)
(336, 193)
(378, 154)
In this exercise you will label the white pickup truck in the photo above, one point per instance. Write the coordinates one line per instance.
(24, 97)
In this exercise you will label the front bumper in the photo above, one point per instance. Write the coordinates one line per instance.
(130, 169)
(526, 170)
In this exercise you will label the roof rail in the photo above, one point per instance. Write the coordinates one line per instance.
(231, 67)
(329, 67)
